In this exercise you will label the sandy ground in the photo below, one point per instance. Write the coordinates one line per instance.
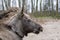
(51, 31)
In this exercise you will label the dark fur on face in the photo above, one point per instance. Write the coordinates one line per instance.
(30, 26)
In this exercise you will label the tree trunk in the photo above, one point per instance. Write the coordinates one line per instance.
(7, 3)
(25, 6)
(32, 5)
(2, 4)
(52, 5)
(52, 8)
(56, 7)
(40, 7)
(36, 5)
(49, 7)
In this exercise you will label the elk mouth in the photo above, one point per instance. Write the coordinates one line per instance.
(37, 31)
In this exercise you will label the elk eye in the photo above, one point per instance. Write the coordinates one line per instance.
(29, 21)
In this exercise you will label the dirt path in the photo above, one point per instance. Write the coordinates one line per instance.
(51, 32)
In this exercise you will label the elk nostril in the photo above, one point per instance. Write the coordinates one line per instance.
(41, 29)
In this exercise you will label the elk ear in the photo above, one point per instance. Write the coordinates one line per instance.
(22, 11)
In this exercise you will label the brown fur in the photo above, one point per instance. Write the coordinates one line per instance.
(6, 34)
(6, 13)
(10, 12)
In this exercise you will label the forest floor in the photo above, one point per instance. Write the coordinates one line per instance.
(51, 30)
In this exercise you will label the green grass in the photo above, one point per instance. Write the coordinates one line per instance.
(45, 14)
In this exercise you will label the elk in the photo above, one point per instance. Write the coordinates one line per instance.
(19, 26)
